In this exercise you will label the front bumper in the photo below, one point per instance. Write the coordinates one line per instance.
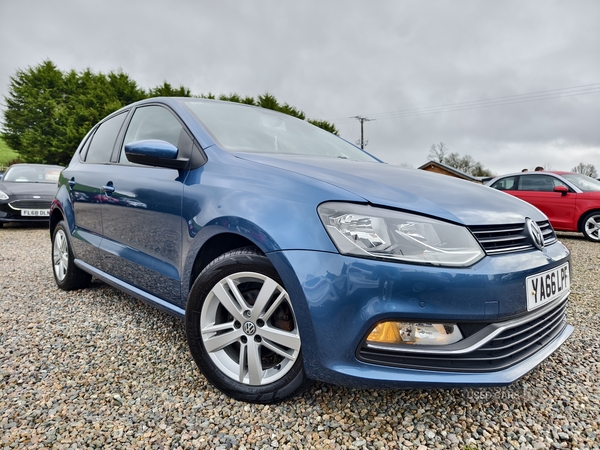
(11, 211)
(338, 299)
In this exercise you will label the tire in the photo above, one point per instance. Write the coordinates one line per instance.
(238, 310)
(590, 226)
(66, 274)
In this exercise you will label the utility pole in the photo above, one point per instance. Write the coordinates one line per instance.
(362, 120)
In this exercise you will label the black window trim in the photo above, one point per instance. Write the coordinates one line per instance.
(569, 185)
(86, 146)
(197, 157)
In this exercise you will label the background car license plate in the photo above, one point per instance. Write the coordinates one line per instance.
(544, 287)
(35, 212)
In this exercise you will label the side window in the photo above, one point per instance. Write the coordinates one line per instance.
(505, 184)
(103, 141)
(151, 122)
(557, 182)
(543, 183)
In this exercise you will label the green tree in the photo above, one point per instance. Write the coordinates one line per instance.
(231, 98)
(268, 101)
(48, 111)
(290, 110)
(126, 89)
(479, 171)
(166, 90)
(32, 109)
(327, 126)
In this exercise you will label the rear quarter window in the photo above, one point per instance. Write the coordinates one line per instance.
(505, 184)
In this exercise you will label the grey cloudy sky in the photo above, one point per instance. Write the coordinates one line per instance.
(337, 59)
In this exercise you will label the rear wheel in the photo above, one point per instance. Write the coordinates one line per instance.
(591, 226)
(242, 330)
(67, 275)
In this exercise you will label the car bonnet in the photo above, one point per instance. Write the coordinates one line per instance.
(412, 190)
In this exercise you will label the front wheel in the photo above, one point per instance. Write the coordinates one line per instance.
(242, 330)
(591, 226)
(67, 275)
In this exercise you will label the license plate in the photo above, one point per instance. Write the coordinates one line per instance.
(547, 286)
(35, 212)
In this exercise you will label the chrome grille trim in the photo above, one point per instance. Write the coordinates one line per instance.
(498, 239)
(17, 205)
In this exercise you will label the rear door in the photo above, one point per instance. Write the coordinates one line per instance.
(85, 179)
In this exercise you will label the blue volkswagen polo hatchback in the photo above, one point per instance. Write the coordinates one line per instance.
(293, 256)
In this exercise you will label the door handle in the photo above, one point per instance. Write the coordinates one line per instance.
(72, 183)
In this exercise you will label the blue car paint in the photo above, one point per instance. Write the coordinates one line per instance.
(416, 191)
(370, 376)
(271, 201)
(346, 297)
(152, 147)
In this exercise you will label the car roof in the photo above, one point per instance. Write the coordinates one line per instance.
(538, 172)
(36, 165)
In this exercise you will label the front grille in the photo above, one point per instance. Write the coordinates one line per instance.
(30, 204)
(510, 238)
(513, 345)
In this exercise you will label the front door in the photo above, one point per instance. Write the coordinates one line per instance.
(141, 219)
(538, 190)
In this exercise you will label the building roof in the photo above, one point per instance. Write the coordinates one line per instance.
(434, 166)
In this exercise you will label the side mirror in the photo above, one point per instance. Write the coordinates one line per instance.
(562, 189)
(154, 152)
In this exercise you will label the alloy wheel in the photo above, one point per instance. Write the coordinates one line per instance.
(592, 227)
(60, 255)
(249, 329)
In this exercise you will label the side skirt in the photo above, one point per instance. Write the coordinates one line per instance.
(133, 291)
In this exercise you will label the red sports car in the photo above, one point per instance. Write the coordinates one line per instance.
(570, 200)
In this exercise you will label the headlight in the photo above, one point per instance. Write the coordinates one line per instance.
(3, 196)
(362, 230)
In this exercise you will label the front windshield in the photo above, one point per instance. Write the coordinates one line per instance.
(242, 128)
(583, 182)
(32, 174)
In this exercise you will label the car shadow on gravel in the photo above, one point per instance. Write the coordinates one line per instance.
(21, 225)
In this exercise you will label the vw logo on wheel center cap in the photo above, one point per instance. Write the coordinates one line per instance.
(536, 233)
(249, 328)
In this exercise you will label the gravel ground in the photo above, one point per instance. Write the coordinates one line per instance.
(96, 368)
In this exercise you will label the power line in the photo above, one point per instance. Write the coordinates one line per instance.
(586, 89)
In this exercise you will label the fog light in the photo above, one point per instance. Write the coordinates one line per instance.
(415, 333)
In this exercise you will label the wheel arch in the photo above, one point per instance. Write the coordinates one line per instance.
(62, 208)
(56, 216)
(214, 247)
(583, 215)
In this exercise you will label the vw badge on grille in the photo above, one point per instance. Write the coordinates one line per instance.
(535, 232)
